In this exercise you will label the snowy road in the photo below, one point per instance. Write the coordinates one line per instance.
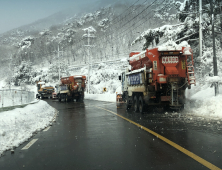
(85, 136)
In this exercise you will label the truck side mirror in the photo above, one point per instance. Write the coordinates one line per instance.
(119, 77)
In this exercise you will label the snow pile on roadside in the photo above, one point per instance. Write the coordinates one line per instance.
(107, 97)
(104, 76)
(205, 104)
(101, 97)
(3, 83)
(18, 125)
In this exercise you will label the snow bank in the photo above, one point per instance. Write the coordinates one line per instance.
(101, 97)
(18, 125)
(209, 108)
(103, 76)
(204, 103)
(213, 79)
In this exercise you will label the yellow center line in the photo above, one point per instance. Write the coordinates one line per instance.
(185, 151)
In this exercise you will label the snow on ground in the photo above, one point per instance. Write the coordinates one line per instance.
(14, 95)
(103, 76)
(200, 99)
(18, 125)
(209, 107)
(3, 83)
(203, 102)
(108, 97)
(101, 97)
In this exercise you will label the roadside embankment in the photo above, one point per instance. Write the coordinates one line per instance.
(20, 124)
(101, 97)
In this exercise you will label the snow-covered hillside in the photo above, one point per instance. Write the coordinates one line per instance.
(117, 30)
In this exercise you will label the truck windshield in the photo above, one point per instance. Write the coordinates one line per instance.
(63, 87)
(78, 80)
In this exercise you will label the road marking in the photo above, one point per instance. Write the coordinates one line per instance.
(108, 104)
(46, 129)
(99, 105)
(185, 151)
(30, 144)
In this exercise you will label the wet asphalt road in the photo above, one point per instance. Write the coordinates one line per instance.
(89, 138)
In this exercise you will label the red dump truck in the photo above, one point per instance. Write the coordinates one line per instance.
(71, 88)
(158, 76)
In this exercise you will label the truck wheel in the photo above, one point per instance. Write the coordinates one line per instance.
(135, 103)
(81, 97)
(59, 97)
(141, 104)
(128, 106)
(182, 107)
(66, 98)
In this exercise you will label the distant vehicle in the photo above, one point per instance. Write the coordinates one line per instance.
(44, 91)
(71, 88)
(158, 76)
(54, 94)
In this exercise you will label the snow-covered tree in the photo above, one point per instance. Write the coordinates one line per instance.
(53, 72)
(24, 74)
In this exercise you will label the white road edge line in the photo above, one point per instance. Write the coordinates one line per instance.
(46, 129)
(30, 144)
(100, 105)
(56, 113)
(108, 103)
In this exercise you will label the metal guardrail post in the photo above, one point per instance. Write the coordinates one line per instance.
(2, 98)
(13, 100)
(21, 97)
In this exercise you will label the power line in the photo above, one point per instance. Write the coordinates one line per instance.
(130, 27)
(133, 18)
(121, 19)
(119, 15)
(136, 25)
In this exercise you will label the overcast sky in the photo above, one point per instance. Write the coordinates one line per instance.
(15, 13)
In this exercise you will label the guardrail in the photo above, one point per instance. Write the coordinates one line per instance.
(13, 97)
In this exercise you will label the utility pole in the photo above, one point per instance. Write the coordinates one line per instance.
(10, 64)
(59, 62)
(200, 29)
(89, 61)
(214, 50)
(88, 35)
(220, 5)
